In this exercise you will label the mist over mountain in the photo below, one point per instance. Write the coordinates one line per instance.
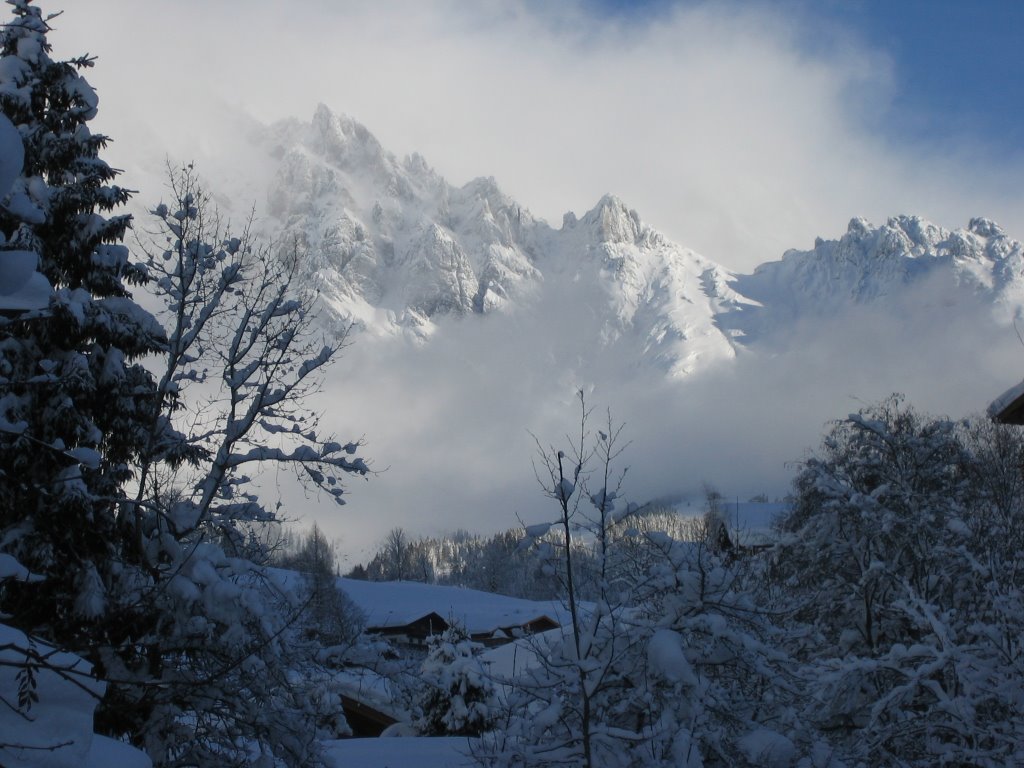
(883, 266)
(394, 249)
(477, 321)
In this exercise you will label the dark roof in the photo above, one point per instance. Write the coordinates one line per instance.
(421, 627)
(1008, 408)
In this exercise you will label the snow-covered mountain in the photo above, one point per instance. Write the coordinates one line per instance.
(391, 244)
(394, 248)
(881, 266)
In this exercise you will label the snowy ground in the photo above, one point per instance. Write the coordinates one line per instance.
(56, 730)
(438, 752)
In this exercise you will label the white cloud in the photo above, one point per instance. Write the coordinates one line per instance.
(715, 122)
(453, 421)
(720, 124)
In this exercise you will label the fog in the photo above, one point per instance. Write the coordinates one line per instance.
(452, 423)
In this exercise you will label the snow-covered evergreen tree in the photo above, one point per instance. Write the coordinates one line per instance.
(73, 400)
(459, 697)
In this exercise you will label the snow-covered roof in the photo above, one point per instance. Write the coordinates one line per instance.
(510, 660)
(1006, 407)
(372, 689)
(398, 603)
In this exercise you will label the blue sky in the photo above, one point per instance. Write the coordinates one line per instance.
(957, 65)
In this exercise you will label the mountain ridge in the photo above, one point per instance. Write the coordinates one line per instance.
(394, 248)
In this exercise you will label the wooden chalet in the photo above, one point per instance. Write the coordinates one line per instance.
(414, 632)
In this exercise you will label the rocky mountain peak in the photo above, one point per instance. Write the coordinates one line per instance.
(613, 221)
(984, 227)
(340, 133)
(880, 264)
(858, 226)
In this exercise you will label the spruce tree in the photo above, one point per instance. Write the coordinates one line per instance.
(73, 403)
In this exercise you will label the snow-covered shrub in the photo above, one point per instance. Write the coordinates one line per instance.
(720, 688)
(562, 708)
(873, 511)
(677, 661)
(671, 664)
(899, 564)
(692, 673)
(458, 697)
(573, 707)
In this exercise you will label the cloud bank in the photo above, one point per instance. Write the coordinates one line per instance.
(454, 422)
